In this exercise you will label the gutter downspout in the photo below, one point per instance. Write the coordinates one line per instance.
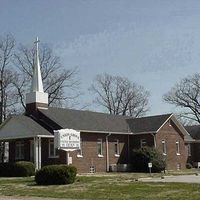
(154, 139)
(128, 149)
(107, 153)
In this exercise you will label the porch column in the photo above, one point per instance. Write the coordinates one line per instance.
(37, 152)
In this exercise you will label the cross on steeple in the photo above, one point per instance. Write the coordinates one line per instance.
(36, 42)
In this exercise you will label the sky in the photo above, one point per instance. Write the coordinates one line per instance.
(154, 43)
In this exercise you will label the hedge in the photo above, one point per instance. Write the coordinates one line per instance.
(141, 158)
(55, 175)
(18, 169)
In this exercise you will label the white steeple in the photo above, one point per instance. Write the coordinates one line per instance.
(37, 85)
(37, 97)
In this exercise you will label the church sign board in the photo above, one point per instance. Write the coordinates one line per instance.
(67, 139)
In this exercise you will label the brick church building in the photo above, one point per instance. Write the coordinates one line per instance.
(106, 140)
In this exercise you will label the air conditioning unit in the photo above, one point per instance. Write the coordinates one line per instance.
(113, 168)
(123, 167)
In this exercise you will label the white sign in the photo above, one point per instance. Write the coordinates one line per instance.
(150, 165)
(67, 139)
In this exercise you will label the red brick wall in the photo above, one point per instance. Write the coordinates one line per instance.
(135, 140)
(170, 133)
(46, 160)
(195, 152)
(89, 150)
(90, 155)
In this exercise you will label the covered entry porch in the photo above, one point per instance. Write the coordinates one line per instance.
(30, 142)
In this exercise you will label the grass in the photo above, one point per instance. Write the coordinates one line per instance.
(116, 186)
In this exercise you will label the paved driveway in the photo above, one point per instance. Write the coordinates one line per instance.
(178, 179)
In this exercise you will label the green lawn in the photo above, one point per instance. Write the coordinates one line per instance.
(122, 186)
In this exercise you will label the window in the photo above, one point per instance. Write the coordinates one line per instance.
(80, 151)
(177, 148)
(100, 147)
(116, 148)
(164, 147)
(143, 143)
(19, 150)
(178, 166)
(52, 151)
(189, 149)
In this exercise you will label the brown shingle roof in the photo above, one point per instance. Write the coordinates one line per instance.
(18, 126)
(95, 121)
(194, 131)
(147, 124)
(86, 120)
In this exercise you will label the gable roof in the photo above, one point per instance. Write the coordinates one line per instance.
(194, 131)
(86, 120)
(23, 126)
(95, 121)
(147, 124)
(20, 126)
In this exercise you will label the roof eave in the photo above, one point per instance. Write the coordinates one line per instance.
(25, 137)
(106, 132)
(164, 123)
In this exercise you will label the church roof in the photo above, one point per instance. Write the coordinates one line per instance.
(86, 120)
(147, 124)
(194, 131)
(20, 126)
(95, 121)
(23, 126)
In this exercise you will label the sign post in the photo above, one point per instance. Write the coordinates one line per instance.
(150, 166)
(67, 140)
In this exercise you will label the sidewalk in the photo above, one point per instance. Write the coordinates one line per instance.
(177, 179)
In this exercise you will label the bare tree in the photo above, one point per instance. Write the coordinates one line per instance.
(57, 80)
(120, 96)
(7, 44)
(7, 100)
(186, 95)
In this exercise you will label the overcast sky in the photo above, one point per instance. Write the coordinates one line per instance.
(152, 42)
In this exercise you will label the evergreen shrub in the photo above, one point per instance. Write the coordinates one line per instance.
(56, 175)
(18, 169)
(141, 157)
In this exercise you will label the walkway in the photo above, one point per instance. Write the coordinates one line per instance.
(178, 179)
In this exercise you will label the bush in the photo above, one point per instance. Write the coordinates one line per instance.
(24, 168)
(18, 169)
(141, 158)
(188, 165)
(55, 175)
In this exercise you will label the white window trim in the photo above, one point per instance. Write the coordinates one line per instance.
(19, 144)
(80, 155)
(142, 142)
(164, 147)
(118, 151)
(178, 149)
(52, 156)
(100, 141)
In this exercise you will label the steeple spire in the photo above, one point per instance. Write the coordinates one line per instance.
(37, 98)
(37, 85)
